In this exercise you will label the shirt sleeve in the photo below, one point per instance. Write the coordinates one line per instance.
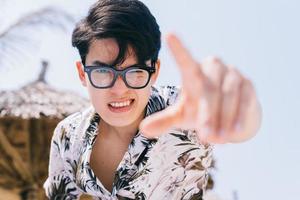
(197, 155)
(60, 183)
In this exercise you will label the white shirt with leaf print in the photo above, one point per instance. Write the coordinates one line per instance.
(173, 166)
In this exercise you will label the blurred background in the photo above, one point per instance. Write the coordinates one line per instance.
(260, 38)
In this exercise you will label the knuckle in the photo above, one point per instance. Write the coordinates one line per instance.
(214, 69)
(212, 87)
(232, 82)
(247, 82)
(228, 90)
(213, 60)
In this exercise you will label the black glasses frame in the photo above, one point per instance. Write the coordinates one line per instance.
(120, 72)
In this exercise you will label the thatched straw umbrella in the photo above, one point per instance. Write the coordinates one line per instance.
(28, 117)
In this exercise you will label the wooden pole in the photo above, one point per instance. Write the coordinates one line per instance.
(17, 161)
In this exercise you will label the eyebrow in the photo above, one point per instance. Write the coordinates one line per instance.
(97, 62)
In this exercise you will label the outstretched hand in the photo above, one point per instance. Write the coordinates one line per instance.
(216, 100)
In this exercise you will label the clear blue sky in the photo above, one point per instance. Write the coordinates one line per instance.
(261, 38)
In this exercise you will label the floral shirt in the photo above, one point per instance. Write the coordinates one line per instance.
(170, 167)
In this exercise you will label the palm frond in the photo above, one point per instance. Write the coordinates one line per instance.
(22, 34)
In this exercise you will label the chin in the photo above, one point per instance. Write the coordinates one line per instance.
(120, 122)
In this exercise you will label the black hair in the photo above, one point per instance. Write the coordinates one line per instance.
(129, 22)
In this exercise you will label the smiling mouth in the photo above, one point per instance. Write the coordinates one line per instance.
(121, 106)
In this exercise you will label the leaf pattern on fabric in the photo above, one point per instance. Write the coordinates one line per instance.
(172, 166)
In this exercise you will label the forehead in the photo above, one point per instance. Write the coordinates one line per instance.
(106, 51)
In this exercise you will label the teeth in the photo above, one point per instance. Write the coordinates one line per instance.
(120, 104)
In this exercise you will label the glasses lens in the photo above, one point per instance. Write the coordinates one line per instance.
(137, 77)
(102, 77)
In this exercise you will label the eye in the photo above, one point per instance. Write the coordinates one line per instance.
(137, 71)
(102, 70)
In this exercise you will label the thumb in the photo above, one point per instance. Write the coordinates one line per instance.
(158, 123)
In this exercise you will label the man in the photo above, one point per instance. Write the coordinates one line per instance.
(138, 141)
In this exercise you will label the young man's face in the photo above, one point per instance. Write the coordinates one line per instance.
(107, 101)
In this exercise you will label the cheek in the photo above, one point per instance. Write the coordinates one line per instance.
(97, 98)
(143, 98)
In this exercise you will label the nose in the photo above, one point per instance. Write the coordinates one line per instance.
(119, 88)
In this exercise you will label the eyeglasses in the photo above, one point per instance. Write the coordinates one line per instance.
(136, 76)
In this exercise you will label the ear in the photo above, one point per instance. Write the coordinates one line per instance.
(155, 75)
(81, 73)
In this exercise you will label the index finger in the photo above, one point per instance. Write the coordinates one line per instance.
(190, 70)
